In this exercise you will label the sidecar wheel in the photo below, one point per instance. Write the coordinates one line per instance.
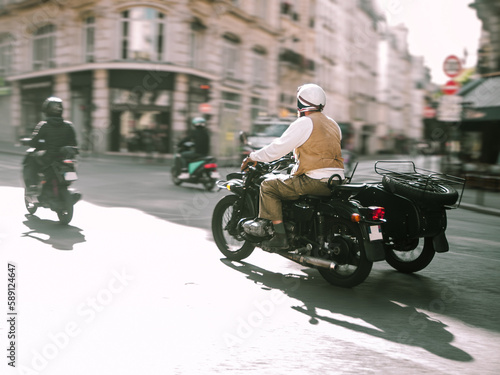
(421, 190)
(413, 260)
(344, 246)
(232, 248)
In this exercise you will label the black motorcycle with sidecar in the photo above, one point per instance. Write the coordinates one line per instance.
(401, 219)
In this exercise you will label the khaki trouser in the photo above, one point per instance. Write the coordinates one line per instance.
(273, 191)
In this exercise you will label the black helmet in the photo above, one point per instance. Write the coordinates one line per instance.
(52, 107)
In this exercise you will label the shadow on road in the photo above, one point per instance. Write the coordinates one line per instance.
(387, 314)
(60, 237)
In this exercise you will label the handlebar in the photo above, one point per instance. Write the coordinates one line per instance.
(271, 166)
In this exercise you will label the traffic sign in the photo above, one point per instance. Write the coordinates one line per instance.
(429, 112)
(450, 108)
(452, 66)
(205, 108)
(450, 88)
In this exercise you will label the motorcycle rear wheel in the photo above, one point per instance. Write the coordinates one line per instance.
(66, 215)
(207, 181)
(411, 261)
(31, 207)
(346, 249)
(232, 248)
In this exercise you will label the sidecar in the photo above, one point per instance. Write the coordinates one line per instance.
(415, 202)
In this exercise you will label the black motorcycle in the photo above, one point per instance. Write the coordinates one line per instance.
(335, 234)
(200, 170)
(54, 180)
(415, 202)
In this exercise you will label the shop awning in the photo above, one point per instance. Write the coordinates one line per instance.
(481, 99)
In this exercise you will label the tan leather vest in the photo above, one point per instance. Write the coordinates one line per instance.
(322, 148)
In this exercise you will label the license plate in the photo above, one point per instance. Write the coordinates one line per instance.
(215, 174)
(70, 176)
(375, 232)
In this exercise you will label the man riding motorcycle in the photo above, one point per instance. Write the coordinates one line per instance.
(315, 140)
(49, 135)
(201, 139)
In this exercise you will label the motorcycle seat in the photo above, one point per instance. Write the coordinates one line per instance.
(350, 187)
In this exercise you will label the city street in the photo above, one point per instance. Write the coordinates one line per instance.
(136, 285)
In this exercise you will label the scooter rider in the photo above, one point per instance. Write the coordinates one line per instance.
(315, 140)
(49, 135)
(201, 139)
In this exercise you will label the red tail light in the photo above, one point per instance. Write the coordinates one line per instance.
(377, 213)
(68, 161)
(211, 166)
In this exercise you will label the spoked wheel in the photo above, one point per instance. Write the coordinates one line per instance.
(344, 246)
(207, 181)
(66, 214)
(224, 230)
(31, 207)
(422, 189)
(413, 260)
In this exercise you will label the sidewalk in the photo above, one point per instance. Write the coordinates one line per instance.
(483, 201)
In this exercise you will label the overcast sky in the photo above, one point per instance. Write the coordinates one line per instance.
(437, 28)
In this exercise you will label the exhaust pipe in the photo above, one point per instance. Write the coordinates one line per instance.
(310, 261)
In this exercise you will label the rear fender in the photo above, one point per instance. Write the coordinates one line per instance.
(374, 248)
(440, 243)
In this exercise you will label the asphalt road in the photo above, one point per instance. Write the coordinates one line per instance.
(135, 285)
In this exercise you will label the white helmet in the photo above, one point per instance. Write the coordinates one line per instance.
(199, 121)
(310, 97)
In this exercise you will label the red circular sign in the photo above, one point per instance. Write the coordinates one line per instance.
(452, 66)
(450, 88)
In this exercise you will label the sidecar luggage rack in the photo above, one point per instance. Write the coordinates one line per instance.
(405, 172)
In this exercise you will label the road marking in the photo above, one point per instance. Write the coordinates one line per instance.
(476, 240)
(8, 166)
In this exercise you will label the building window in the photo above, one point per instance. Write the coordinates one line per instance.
(6, 41)
(231, 56)
(261, 9)
(197, 44)
(89, 39)
(258, 108)
(259, 62)
(143, 34)
(44, 40)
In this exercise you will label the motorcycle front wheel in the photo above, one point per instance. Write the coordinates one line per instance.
(414, 260)
(223, 222)
(344, 246)
(66, 214)
(175, 172)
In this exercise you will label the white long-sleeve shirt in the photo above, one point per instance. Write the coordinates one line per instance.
(295, 136)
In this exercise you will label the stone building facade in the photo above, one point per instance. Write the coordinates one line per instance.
(128, 68)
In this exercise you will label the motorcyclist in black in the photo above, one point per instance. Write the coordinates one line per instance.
(201, 139)
(49, 135)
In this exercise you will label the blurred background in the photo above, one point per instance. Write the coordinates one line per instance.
(132, 76)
